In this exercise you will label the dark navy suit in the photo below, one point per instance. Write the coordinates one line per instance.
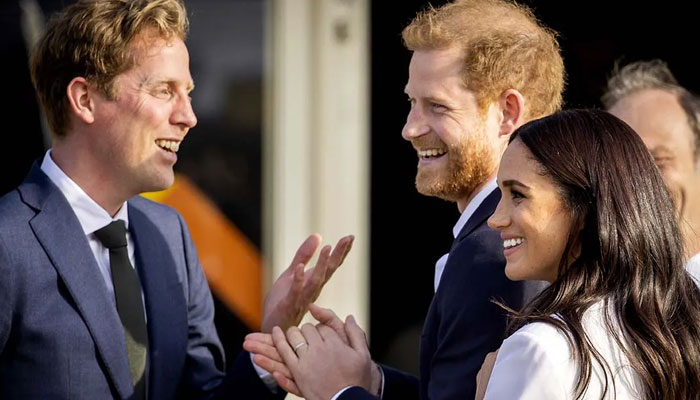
(60, 334)
(462, 324)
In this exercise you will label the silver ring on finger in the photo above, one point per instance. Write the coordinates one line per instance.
(300, 345)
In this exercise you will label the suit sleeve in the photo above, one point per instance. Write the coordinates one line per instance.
(397, 386)
(469, 324)
(524, 371)
(5, 297)
(205, 356)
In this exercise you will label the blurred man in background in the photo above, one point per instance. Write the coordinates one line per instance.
(666, 116)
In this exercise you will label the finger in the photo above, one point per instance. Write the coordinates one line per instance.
(306, 250)
(311, 335)
(339, 253)
(356, 336)
(285, 351)
(318, 273)
(298, 283)
(314, 279)
(327, 317)
(328, 334)
(267, 350)
(271, 365)
(286, 384)
(264, 338)
(297, 341)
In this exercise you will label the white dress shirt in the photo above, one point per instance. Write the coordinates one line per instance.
(466, 214)
(91, 216)
(693, 267)
(536, 363)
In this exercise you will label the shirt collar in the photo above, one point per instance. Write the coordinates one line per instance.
(90, 214)
(473, 205)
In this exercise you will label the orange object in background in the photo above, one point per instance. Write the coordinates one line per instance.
(231, 263)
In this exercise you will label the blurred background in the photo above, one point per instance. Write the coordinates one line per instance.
(300, 106)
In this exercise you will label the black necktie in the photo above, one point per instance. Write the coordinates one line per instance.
(127, 291)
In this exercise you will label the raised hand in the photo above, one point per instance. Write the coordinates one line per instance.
(295, 289)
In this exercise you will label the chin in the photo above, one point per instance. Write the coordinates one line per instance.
(436, 187)
(157, 184)
(513, 275)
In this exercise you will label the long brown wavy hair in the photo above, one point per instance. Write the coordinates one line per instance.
(630, 254)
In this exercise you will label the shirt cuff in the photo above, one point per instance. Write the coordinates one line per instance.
(381, 393)
(265, 376)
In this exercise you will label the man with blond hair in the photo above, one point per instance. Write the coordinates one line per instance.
(647, 96)
(479, 70)
(102, 295)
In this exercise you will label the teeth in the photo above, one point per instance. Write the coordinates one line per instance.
(431, 153)
(512, 242)
(170, 145)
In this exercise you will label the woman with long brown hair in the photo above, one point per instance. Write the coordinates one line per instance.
(584, 207)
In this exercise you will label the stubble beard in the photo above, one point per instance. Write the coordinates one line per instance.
(469, 163)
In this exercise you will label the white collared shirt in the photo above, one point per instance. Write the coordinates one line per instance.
(91, 216)
(693, 268)
(468, 212)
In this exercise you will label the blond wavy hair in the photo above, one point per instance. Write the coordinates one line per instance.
(92, 39)
(505, 47)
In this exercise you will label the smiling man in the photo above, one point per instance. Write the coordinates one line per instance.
(102, 295)
(647, 96)
(479, 70)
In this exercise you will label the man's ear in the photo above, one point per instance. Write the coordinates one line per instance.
(512, 108)
(80, 101)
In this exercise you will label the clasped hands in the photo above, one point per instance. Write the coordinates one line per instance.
(316, 362)
(342, 346)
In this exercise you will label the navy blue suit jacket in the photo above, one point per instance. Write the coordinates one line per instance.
(60, 334)
(462, 324)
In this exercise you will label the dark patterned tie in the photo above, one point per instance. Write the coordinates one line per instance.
(127, 291)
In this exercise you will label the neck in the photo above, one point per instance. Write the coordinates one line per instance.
(89, 174)
(464, 201)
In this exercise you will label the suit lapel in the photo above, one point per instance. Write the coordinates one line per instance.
(60, 234)
(165, 307)
(481, 214)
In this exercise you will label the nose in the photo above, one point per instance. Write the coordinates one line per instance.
(500, 219)
(183, 114)
(416, 124)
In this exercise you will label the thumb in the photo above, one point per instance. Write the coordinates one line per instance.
(327, 317)
(356, 336)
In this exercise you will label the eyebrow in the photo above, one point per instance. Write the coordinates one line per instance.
(432, 99)
(514, 182)
(660, 149)
(156, 82)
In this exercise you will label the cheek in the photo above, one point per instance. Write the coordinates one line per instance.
(549, 241)
(448, 132)
(675, 179)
